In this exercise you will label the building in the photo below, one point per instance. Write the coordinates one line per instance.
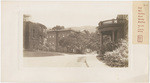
(53, 37)
(113, 29)
(34, 35)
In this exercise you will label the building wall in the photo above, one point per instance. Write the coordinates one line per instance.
(123, 19)
(54, 38)
(34, 34)
(26, 35)
(51, 40)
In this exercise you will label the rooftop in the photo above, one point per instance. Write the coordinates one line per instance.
(109, 23)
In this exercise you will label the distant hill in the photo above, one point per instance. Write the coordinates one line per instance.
(89, 28)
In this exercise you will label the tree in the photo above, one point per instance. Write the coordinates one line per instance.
(74, 41)
(80, 41)
(57, 27)
(93, 42)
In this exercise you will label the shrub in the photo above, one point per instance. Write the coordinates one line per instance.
(110, 46)
(119, 56)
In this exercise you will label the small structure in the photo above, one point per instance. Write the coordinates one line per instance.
(114, 28)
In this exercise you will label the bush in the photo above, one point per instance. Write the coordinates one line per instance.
(119, 56)
(110, 46)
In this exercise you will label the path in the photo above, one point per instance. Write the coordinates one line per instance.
(65, 60)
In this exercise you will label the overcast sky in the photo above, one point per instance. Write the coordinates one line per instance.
(72, 14)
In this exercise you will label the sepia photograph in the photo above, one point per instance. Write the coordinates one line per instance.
(75, 41)
(72, 37)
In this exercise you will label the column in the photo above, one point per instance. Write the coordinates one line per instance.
(101, 42)
(113, 36)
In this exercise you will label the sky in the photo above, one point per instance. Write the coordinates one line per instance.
(76, 14)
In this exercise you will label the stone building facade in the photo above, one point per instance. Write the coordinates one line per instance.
(34, 35)
(53, 38)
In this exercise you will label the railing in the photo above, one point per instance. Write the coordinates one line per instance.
(107, 22)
